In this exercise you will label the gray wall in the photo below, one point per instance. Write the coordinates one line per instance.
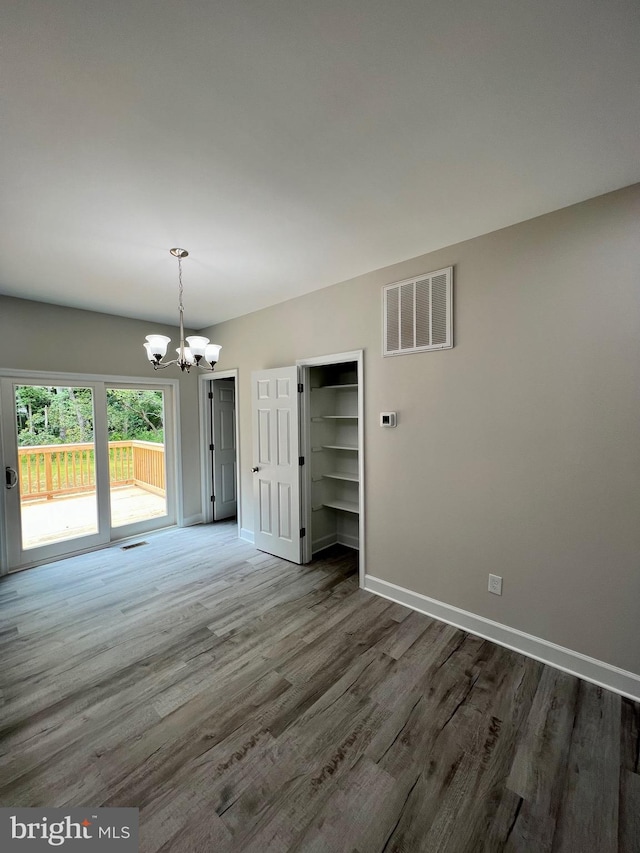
(517, 452)
(38, 336)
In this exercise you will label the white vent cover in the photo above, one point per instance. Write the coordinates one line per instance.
(417, 314)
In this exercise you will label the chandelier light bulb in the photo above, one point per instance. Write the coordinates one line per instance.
(212, 354)
(185, 352)
(197, 345)
(157, 344)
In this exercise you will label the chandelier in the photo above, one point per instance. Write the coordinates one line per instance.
(197, 350)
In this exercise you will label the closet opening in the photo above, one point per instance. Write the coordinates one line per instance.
(332, 441)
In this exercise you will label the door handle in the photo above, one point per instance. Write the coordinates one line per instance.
(255, 470)
(11, 478)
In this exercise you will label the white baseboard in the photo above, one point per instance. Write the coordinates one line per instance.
(190, 520)
(349, 541)
(596, 671)
(323, 542)
(247, 535)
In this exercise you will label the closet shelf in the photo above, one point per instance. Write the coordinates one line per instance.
(343, 506)
(343, 475)
(335, 387)
(340, 447)
(339, 417)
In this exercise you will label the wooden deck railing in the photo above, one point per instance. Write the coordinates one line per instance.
(49, 470)
(148, 466)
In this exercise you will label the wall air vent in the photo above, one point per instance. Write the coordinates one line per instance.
(418, 314)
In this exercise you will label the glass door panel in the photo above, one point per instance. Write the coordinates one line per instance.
(137, 467)
(56, 464)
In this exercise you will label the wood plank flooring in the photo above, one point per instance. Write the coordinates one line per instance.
(246, 704)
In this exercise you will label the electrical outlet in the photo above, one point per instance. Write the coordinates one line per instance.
(495, 584)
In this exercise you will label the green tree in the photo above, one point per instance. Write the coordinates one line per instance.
(64, 415)
(72, 414)
(135, 414)
(53, 415)
(33, 404)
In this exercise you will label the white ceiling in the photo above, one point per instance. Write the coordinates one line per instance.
(289, 145)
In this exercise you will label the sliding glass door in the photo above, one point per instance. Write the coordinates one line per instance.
(137, 455)
(52, 467)
(84, 464)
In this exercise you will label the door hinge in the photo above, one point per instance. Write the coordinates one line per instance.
(303, 532)
(210, 395)
(213, 498)
(211, 447)
(300, 387)
(300, 460)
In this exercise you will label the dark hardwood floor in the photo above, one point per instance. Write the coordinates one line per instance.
(247, 704)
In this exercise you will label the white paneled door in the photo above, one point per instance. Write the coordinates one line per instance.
(276, 480)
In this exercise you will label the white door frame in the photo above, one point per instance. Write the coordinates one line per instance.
(173, 460)
(305, 448)
(205, 468)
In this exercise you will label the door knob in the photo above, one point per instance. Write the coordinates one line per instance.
(11, 478)
(255, 470)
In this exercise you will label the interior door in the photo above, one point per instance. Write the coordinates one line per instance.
(276, 481)
(224, 448)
